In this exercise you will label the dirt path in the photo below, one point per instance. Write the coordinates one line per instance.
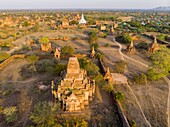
(122, 56)
(166, 79)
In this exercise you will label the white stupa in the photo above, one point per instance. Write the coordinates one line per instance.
(82, 20)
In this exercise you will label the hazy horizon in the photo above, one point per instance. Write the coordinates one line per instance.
(88, 4)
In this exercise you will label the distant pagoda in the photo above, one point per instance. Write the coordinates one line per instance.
(154, 46)
(82, 20)
(131, 48)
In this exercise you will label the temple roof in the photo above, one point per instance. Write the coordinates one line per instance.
(73, 65)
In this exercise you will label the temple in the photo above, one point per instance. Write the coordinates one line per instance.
(57, 53)
(154, 46)
(82, 20)
(92, 55)
(76, 90)
(131, 48)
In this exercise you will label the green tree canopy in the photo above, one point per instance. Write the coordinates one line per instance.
(43, 114)
(93, 37)
(4, 56)
(67, 50)
(32, 59)
(44, 40)
(127, 38)
(160, 64)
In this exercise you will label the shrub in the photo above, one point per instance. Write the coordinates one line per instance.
(10, 114)
(140, 79)
(67, 50)
(95, 45)
(91, 68)
(44, 40)
(107, 45)
(43, 114)
(93, 37)
(120, 66)
(4, 56)
(142, 45)
(108, 87)
(119, 96)
(32, 59)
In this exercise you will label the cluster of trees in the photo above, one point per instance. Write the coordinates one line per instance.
(46, 114)
(10, 114)
(125, 38)
(44, 40)
(50, 67)
(32, 59)
(93, 37)
(160, 64)
(67, 50)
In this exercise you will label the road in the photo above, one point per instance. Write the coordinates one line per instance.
(166, 79)
(123, 55)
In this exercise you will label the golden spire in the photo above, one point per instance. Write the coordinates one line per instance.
(131, 43)
(155, 40)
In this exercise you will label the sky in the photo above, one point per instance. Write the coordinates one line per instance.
(80, 4)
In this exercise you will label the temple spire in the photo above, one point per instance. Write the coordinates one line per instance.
(155, 40)
(131, 43)
(82, 20)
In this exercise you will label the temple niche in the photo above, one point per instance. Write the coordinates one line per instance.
(154, 46)
(76, 90)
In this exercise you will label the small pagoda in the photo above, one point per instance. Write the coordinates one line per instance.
(112, 29)
(131, 48)
(92, 55)
(108, 75)
(154, 46)
(57, 53)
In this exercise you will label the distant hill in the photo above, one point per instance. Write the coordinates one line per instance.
(165, 8)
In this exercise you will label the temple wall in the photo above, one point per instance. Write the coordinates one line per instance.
(9, 60)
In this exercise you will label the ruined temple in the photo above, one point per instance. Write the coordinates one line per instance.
(46, 47)
(131, 48)
(57, 53)
(108, 75)
(75, 90)
(154, 46)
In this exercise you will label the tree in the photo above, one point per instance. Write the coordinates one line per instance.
(140, 79)
(44, 114)
(26, 24)
(44, 40)
(74, 22)
(32, 59)
(126, 38)
(93, 37)
(95, 45)
(10, 114)
(91, 68)
(4, 56)
(119, 96)
(120, 66)
(160, 64)
(67, 50)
